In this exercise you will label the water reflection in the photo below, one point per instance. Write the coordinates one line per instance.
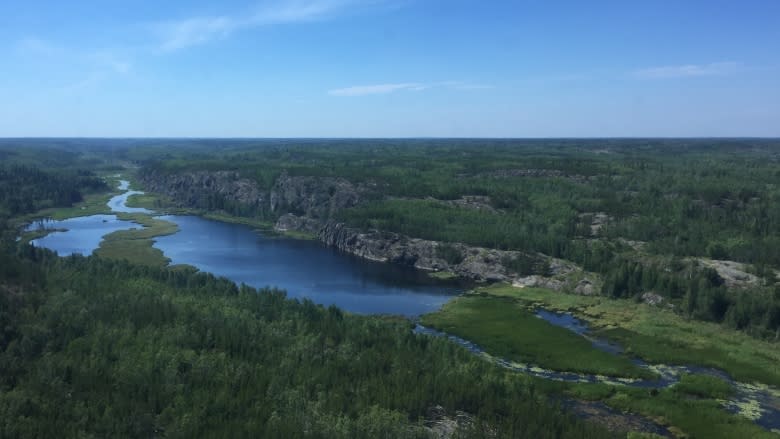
(81, 235)
(303, 268)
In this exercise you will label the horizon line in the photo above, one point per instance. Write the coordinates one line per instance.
(389, 138)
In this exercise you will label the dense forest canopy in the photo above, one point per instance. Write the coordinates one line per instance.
(92, 347)
(639, 212)
(95, 348)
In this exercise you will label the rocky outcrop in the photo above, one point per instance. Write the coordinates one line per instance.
(309, 204)
(652, 298)
(312, 197)
(475, 263)
(734, 274)
(538, 282)
(442, 425)
(202, 189)
(289, 222)
(479, 264)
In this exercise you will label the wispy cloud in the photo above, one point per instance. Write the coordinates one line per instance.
(363, 90)
(192, 31)
(180, 34)
(688, 70)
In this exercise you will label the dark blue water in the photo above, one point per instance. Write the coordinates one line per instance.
(303, 268)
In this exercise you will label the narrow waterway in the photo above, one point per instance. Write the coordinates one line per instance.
(757, 402)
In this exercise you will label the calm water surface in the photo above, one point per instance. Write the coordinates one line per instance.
(77, 235)
(303, 268)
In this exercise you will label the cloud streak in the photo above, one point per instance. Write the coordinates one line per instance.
(193, 31)
(687, 71)
(376, 89)
(180, 34)
(363, 90)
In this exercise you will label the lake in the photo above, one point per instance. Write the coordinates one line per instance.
(306, 269)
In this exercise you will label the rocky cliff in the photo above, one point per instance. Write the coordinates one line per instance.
(311, 197)
(203, 188)
(475, 263)
(309, 204)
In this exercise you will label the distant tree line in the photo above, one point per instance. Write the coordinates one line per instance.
(26, 189)
(91, 347)
(678, 198)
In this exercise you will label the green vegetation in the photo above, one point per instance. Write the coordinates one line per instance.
(690, 417)
(101, 348)
(118, 345)
(497, 319)
(632, 211)
(660, 335)
(507, 329)
(704, 386)
(27, 190)
(684, 414)
(136, 245)
(97, 347)
(146, 201)
(443, 275)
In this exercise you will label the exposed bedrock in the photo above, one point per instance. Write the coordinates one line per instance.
(312, 197)
(475, 263)
(202, 188)
(309, 204)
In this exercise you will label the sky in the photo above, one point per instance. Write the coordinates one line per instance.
(390, 68)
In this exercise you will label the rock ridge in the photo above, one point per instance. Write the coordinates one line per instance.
(309, 204)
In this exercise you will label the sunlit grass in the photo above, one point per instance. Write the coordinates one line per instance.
(660, 336)
(136, 245)
(507, 329)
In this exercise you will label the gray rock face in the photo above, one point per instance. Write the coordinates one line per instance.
(652, 298)
(198, 189)
(539, 282)
(289, 222)
(313, 197)
(476, 263)
(585, 288)
(734, 274)
(308, 204)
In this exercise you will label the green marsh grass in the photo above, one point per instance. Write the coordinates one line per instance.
(136, 245)
(659, 335)
(507, 329)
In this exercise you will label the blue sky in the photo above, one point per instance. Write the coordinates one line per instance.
(386, 68)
